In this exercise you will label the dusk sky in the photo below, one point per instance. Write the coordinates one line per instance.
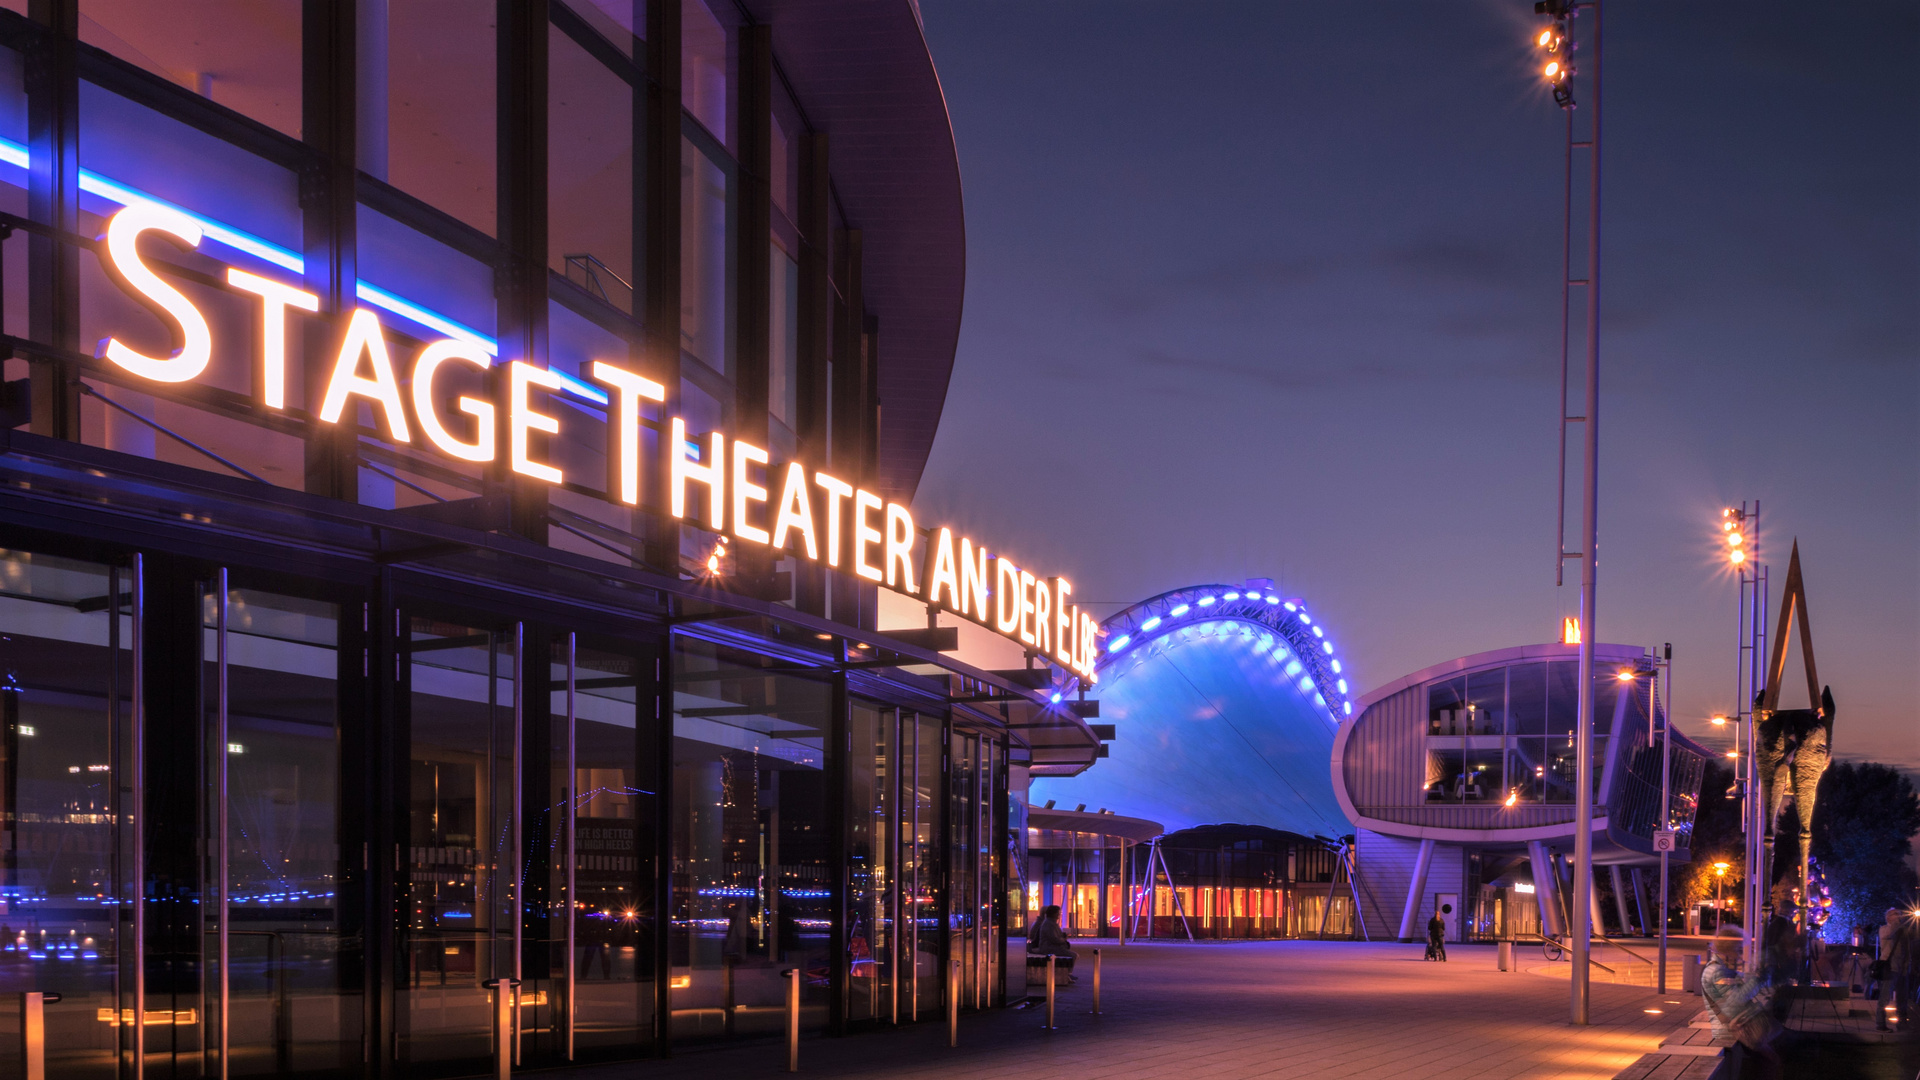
(1272, 290)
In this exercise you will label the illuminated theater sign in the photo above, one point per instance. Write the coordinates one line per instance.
(809, 513)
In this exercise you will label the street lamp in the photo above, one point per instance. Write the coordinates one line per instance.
(1719, 880)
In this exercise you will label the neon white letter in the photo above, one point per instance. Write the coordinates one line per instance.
(941, 573)
(1042, 614)
(864, 534)
(1063, 620)
(628, 389)
(275, 299)
(522, 418)
(745, 490)
(363, 336)
(1007, 584)
(900, 534)
(713, 474)
(424, 369)
(123, 258)
(796, 511)
(836, 490)
(973, 582)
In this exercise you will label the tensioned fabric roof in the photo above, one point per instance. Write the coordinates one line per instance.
(1217, 719)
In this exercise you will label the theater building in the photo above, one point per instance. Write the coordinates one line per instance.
(453, 456)
(1460, 779)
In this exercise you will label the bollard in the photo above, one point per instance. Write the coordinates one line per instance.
(1049, 1024)
(1096, 982)
(33, 1033)
(1690, 974)
(953, 1004)
(1506, 956)
(502, 1026)
(793, 1019)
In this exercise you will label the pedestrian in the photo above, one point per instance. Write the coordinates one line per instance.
(1437, 934)
(1898, 966)
(1045, 938)
(1738, 1003)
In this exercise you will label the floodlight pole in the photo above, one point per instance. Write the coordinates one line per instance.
(1581, 902)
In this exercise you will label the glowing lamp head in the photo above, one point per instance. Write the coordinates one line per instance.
(1720, 869)
(1545, 39)
(1625, 675)
(1512, 797)
(1736, 539)
(1733, 754)
(1736, 556)
(1717, 721)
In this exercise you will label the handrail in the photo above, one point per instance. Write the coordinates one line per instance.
(587, 262)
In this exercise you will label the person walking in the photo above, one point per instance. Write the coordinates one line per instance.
(1437, 934)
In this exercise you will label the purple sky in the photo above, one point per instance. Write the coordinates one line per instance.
(1271, 290)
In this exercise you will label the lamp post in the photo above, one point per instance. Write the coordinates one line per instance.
(1741, 530)
(1719, 883)
(1556, 40)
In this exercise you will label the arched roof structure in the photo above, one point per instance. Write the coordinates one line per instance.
(1225, 701)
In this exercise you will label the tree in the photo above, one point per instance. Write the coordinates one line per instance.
(1864, 821)
(1716, 838)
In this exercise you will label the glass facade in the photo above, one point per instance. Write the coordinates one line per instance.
(326, 754)
(1504, 736)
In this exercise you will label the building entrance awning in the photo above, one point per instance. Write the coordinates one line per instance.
(1047, 829)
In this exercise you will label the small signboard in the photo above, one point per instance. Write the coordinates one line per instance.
(1663, 840)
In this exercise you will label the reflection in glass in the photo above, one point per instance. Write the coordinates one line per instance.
(290, 1009)
(58, 895)
(752, 845)
(456, 900)
(705, 299)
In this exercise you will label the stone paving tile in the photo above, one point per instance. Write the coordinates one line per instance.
(1240, 1011)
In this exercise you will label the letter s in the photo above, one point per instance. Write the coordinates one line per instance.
(123, 260)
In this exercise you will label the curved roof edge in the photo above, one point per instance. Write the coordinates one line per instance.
(1511, 654)
(864, 76)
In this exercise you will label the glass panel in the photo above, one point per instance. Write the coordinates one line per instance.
(1527, 698)
(1483, 776)
(706, 57)
(1446, 706)
(456, 901)
(929, 943)
(1443, 775)
(294, 992)
(1563, 698)
(58, 895)
(1486, 702)
(439, 84)
(622, 22)
(783, 353)
(243, 54)
(869, 879)
(590, 192)
(614, 838)
(962, 863)
(752, 876)
(706, 300)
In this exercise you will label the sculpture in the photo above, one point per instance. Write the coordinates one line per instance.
(1794, 745)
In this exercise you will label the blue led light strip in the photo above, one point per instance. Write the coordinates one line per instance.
(12, 153)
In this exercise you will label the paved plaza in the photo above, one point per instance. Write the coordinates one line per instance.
(1255, 1009)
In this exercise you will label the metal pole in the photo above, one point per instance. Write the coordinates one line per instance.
(570, 826)
(953, 1002)
(519, 855)
(503, 997)
(1096, 982)
(137, 884)
(1049, 1024)
(222, 754)
(1666, 805)
(1589, 533)
(1759, 849)
(793, 1019)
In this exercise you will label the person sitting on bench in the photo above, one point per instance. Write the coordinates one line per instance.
(1045, 938)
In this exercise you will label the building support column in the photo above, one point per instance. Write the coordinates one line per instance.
(1620, 899)
(1546, 888)
(1416, 889)
(1593, 901)
(1647, 928)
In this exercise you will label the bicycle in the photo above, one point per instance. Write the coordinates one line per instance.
(1553, 949)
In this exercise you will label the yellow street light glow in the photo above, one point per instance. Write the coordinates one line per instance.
(1720, 867)
(1736, 539)
(1546, 37)
(1733, 753)
(1738, 556)
(1553, 68)
(1512, 797)
(1727, 525)
(1625, 675)
(1717, 721)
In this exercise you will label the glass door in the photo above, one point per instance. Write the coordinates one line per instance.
(459, 898)
(67, 668)
(283, 997)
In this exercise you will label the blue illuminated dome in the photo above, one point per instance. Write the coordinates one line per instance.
(1225, 702)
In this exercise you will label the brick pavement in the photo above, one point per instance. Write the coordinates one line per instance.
(1225, 1011)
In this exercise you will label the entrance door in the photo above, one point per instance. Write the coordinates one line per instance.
(1448, 905)
(459, 899)
(66, 690)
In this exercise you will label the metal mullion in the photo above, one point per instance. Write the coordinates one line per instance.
(220, 794)
(138, 794)
(893, 856)
(514, 810)
(570, 828)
